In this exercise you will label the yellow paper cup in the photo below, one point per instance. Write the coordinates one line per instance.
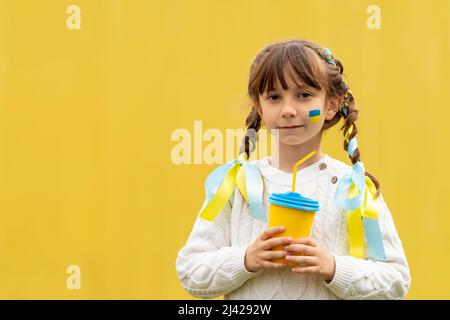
(293, 211)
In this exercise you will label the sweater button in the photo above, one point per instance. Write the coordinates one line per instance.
(323, 166)
(333, 180)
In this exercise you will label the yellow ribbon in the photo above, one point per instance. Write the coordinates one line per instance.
(354, 218)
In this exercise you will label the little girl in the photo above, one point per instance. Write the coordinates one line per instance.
(297, 88)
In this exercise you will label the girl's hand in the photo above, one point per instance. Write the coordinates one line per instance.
(314, 259)
(259, 253)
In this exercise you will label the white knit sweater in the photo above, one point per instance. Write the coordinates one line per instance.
(211, 263)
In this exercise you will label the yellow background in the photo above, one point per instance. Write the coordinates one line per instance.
(86, 117)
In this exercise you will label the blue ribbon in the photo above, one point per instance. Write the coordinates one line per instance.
(215, 178)
(357, 177)
(352, 145)
(254, 191)
(374, 239)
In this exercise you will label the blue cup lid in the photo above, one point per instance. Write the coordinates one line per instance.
(294, 200)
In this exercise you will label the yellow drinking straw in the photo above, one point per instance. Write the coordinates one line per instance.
(309, 155)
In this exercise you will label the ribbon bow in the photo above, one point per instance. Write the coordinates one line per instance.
(221, 183)
(361, 208)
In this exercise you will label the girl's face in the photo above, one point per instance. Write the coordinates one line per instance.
(298, 113)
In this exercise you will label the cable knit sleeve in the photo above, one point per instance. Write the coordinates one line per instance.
(208, 266)
(368, 279)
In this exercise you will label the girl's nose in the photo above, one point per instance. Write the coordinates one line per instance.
(288, 111)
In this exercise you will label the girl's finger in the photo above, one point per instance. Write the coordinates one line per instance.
(269, 233)
(313, 269)
(306, 241)
(301, 249)
(269, 244)
(270, 255)
(272, 265)
(303, 260)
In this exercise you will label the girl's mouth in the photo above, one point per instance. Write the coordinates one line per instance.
(291, 127)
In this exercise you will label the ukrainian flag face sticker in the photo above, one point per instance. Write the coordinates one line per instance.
(314, 115)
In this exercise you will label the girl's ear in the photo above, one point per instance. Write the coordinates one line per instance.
(332, 107)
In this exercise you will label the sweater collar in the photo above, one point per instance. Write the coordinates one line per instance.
(280, 177)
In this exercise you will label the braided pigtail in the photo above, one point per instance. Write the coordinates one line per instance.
(350, 114)
(253, 124)
(239, 173)
(362, 215)
(348, 111)
(254, 121)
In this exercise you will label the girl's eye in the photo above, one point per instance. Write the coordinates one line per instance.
(305, 95)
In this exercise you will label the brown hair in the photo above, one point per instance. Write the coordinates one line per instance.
(300, 57)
